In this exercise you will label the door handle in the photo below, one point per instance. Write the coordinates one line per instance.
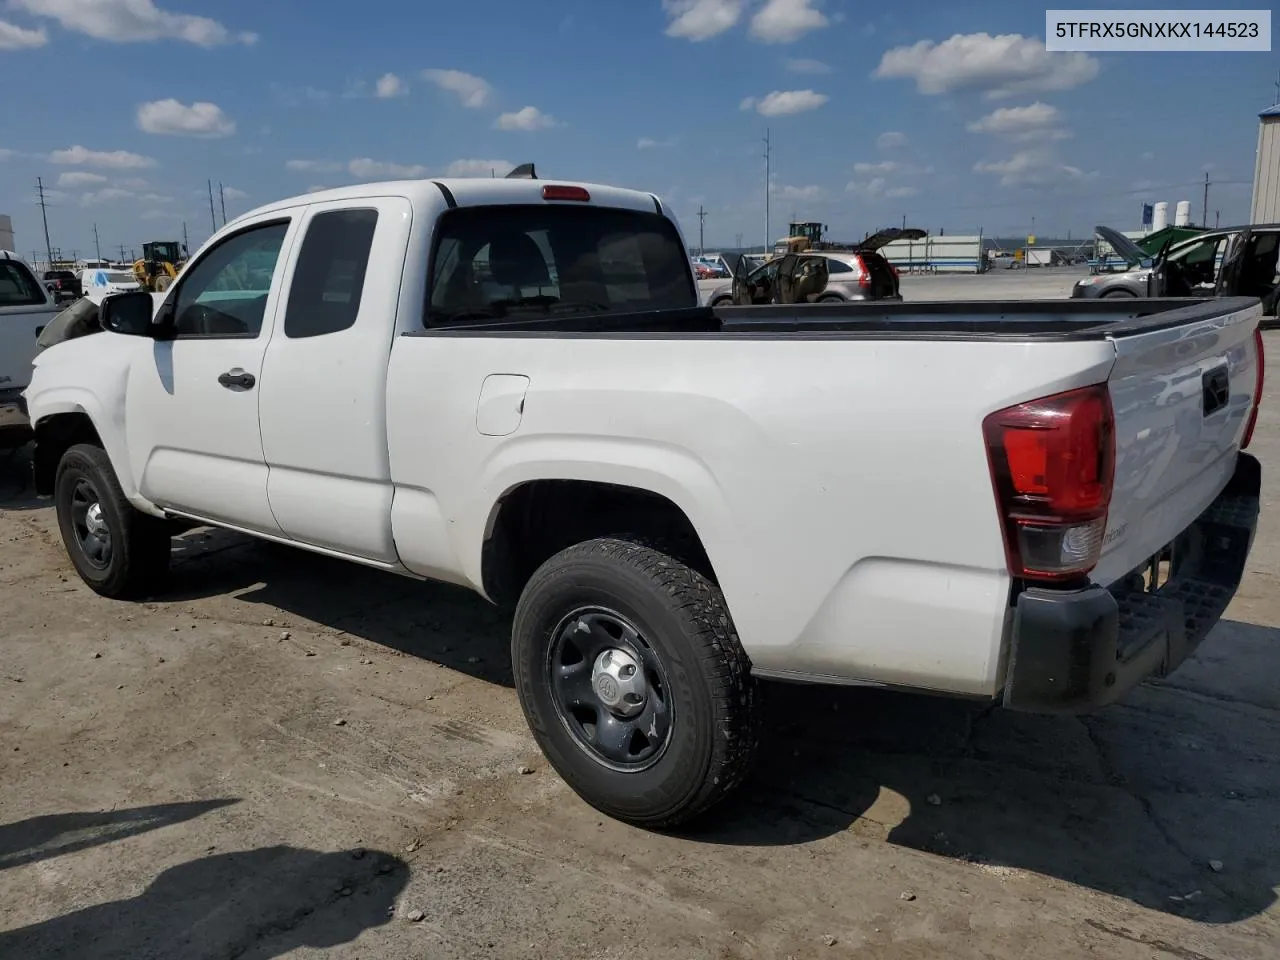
(237, 379)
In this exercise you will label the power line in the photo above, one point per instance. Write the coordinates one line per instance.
(767, 185)
(213, 217)
(48, 247)
(702, 223)
(97, 245)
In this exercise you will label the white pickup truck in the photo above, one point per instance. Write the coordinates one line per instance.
(509, 384)
(25, 307)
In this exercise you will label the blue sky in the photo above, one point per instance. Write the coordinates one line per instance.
(951, 115)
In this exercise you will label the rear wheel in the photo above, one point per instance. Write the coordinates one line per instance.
(118, 551)
(633, 681)
(1118, 293)
(831, 298)
(722, 302)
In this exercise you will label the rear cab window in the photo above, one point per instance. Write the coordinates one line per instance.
(18, 287)
(525, 261)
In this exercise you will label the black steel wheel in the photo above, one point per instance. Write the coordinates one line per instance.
(634, 682)
(117, 550)
(611, 689)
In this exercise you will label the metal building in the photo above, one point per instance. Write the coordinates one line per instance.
(1266, 175)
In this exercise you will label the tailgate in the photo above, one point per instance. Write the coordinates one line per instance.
(1182, 397)
(19, 327)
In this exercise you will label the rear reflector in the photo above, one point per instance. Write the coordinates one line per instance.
(552, 192)
(1052, 466)
(1259, 382)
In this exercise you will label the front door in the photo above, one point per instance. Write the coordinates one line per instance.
(192, 407)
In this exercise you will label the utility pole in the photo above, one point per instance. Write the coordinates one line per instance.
(213, 217)
(1204, 212)
(1217, 218)
(737, 240)
(222, 198)
(122, 260)
(904, 221)
(186, 247)
(702, 224)
(767, 185)
(97, 245)
(48, 247)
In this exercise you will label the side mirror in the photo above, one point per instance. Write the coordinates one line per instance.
(128, 313)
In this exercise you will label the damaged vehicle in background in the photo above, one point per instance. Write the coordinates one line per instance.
(1233, 262)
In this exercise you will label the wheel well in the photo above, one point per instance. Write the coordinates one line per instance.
(539, 519)
(55, 435)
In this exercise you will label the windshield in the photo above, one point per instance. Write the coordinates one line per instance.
(548, 259)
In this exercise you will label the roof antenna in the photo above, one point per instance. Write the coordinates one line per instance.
(523, 172)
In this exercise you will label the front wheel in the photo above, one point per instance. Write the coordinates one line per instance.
(633, 681)
(117, 550)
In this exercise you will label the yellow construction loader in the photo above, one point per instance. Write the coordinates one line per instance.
(160, 263)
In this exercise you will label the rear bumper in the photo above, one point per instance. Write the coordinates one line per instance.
(1077, 650)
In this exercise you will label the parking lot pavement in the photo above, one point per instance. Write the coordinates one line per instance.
(285, 756)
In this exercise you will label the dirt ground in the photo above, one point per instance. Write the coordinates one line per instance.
(287, 756)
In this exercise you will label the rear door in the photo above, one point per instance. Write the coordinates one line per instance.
(25, 307)
(322, 404)
(1181, 397)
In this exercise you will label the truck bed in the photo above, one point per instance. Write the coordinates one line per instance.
(988, 320)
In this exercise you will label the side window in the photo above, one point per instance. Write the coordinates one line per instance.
(838, 266)
(224, 294)
(18, 288)
(329, 278)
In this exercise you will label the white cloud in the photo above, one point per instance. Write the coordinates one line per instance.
(13, 37)
(5, 154)
(155, 214)
(232, 193)
(155, 198)
(809, 192)
(389, 85)
(126, 21)
(472, 91)
(479, 168)
(895, 193)
(875, 187)
(316, 188)
(133, 183)
(648, 143)
(106, 195)
(1001, 66)
(782, 102)
(526, 118)
(312, 166)
(785, 21)
(362, 168)
(79, 156)
(803, 65)
(1036, 121)
(73, 179)
(886, 166)
(169, 117)
(891, 140)
(701, 19)
(1031, 168)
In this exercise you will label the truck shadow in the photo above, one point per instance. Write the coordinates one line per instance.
(1169, 799)
(1136, 801)
(259, 904)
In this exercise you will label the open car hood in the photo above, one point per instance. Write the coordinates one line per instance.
(1122, 245)
(882, 237)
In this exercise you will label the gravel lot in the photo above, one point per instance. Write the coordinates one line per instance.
(291, 757)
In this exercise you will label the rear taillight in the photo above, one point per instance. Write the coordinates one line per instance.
(1053, 466)
(1259, 381)
(864, 278)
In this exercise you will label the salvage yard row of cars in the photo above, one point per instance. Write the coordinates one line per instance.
(511, 385)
